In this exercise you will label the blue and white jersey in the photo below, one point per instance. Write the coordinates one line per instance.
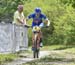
(37, 20)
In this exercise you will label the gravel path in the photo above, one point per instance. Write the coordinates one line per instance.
(20, 61)
(54, 53)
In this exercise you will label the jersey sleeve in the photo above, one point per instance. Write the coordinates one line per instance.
(30, 16)
(44, 16)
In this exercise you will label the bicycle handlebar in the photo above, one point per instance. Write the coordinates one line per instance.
(28, 26)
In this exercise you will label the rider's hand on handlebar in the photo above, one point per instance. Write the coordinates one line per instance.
(26, 25)
(47, 26)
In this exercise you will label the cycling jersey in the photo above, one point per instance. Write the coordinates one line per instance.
(37, 20)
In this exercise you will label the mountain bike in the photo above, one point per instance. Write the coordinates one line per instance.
(35, 49)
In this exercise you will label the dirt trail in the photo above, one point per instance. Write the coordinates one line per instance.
(20, 61)
(67, 58)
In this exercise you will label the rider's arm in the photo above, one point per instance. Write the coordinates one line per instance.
(47, 21)
(30, 16)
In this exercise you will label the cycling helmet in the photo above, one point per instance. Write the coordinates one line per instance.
(37, 10)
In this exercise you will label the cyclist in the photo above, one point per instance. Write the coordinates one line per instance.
(38, 18)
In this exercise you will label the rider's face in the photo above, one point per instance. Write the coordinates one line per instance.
(38, 14)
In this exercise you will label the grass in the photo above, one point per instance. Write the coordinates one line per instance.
(70, 50)
(52, 47)
(4, 58)
(7, 58)
(10, 57)
(58, 47)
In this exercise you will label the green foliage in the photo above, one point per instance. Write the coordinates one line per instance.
(61, 13)
(8, 7)
(7, 58)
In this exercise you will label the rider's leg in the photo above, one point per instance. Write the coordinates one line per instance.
(33, 34)
(41, 25)
(32, 39)
(41, 37)
(38, 40)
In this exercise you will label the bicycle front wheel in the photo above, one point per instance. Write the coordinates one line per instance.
(36, 53)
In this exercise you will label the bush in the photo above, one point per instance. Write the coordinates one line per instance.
(61, 13)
